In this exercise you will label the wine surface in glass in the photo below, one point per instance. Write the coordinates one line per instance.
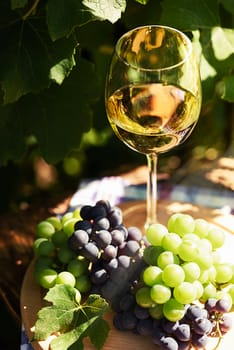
(152, 117)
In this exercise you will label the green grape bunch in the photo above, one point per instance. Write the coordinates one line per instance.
(175, 283)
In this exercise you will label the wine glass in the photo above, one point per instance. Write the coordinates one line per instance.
(153, 96)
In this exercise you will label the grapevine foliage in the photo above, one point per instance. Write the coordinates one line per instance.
(54, 56)
(73, 320)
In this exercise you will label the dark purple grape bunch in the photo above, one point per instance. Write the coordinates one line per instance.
(114, 250)
(198, 324)
(192, 332)
(92, 234)
(218, 314)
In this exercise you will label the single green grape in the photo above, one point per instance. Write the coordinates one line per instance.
(68, 226)
(188, 250)
(173, 310)
(152, 275)
(143, 297)
(216, 237)
(205, 244)
(78, 267)
(209, 291)
(78, 296)
(55, 221)
(83, 283)
(171, 242)
(191, 237)
(181, 224)
(171, 222)
(203, 258)
(160, 293)
(65, 254)
(192, 271)
(167, 258)
(59, 238)
(223, 273)
(76, 214)
(201, 227)
(185, 293)
(42, 246)
(45, 229)
(46, 277)
(65, 277)
(37, 243)
(67, 216)
(173, 275)
(155, 234)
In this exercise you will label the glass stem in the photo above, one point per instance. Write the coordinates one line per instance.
(151, 193)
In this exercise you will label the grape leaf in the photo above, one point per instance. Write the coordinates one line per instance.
(15, 4)
(223, 43)
(73, 337)
(143, 2)
(30, 61)
(226, 88)
(106, 9)
(184, 15)
(217, 44)
(65, 15)
(12, 141)
(61, 313)
(228, 4)
(74, 321)
(57, 117)
(96, 332)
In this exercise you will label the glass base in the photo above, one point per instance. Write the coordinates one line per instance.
(134, 212)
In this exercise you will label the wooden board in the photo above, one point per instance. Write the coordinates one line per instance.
(134, 214)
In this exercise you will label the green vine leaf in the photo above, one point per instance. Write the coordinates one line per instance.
(65, 15)
(229, 5)
(57, 117)
(12, 137)
(189, 17)
(217, 44)
(30, 61)
(223, 45)
(98, 331)
(74, 321)
(143, 2)
(106, 9)
(16, 4)
(225, 88)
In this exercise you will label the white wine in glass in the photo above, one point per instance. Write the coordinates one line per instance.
(153, 95)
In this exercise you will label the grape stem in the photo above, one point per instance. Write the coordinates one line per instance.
(31, 10)
(220, 337)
